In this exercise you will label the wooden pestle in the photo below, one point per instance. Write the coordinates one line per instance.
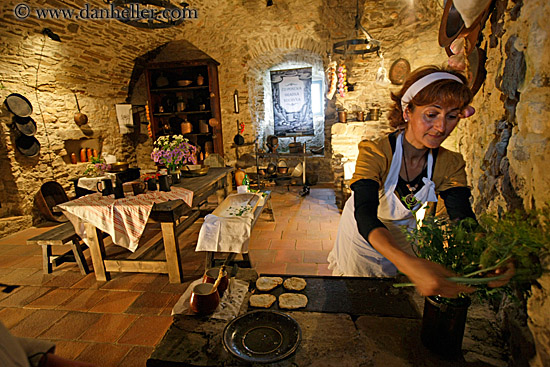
(219, 279)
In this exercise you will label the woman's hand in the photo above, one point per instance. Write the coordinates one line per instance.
(508, 271)
(430, 279)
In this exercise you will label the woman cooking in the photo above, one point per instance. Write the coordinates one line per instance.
(406, 169)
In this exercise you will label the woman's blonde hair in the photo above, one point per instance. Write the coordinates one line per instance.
(447, 92)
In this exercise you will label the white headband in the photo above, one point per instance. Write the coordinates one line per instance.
(423, 83)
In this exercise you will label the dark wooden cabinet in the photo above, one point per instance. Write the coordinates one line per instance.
(186, 92)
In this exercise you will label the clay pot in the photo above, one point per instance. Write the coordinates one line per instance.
(212, 274)
(204, 299)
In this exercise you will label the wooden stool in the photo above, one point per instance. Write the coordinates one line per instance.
(57, 236)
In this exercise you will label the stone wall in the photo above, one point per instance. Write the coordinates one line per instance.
(506, 142)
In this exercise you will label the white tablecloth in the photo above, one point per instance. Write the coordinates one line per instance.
(228, 228)
(123, 219)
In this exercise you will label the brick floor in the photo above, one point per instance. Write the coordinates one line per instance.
(118, 323)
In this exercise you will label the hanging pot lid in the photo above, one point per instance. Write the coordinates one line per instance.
(28, 145)
(25, 125)
(18, 105)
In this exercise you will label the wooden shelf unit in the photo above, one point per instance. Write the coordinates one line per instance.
(201, 102)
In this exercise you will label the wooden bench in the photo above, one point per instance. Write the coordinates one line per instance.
(212, 261)
(60, 235)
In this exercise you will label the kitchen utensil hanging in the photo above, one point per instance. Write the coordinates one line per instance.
(79, 117)
(239, 139)
(18, 105)
(25, 125)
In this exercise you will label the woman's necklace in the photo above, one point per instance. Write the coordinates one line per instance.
(410, 199)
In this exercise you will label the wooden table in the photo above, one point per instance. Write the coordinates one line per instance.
(348, 321)
(174, 217)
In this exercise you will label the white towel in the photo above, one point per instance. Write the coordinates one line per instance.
(225, 234)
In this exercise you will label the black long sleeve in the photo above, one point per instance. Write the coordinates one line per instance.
(366, 203)
(457, 203)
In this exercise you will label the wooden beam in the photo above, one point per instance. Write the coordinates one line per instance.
(136, 266)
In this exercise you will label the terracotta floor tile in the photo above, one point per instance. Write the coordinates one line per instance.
(259, 243)
(11, 261)
(121, 281)
(301, 269)
(264, 225)
(316, 257)
(115, 302)
(24, 250)
(103, 354)
(84, 300)
(11, 316)
(304, 244)
(34, 262)
(289, 256)
(167, 311)
(23, 295)
(70, 349)
(295, 235)
(37, 322)
(178, 288)
(136, 357)
(53, 299)
(150, 282)
(262, 255)
(317, 235)
(284, 244)
(88, 282)
(287, 226)
(108, 328)
(269, 235)
(322, 269)
(65, 279)
(270, 268)
(16, 276)
(71, 326)
(146, 331)
(308, 226)
(37, 278)
(149, 303)
(328, 244)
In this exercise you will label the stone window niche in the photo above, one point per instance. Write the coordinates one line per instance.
(75, 146)
(262, 106)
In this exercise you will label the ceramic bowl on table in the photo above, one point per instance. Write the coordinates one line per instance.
(194, 170)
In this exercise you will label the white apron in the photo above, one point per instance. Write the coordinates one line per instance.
(352, 255)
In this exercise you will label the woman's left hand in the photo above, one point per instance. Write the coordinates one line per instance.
(508, 271)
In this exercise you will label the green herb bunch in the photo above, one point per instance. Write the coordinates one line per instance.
(474, 251)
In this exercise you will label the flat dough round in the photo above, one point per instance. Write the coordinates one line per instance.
(266, 284)
(295, 284)
(292, 301)
(262, 300)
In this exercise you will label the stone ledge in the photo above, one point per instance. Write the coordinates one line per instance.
(10, 225)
